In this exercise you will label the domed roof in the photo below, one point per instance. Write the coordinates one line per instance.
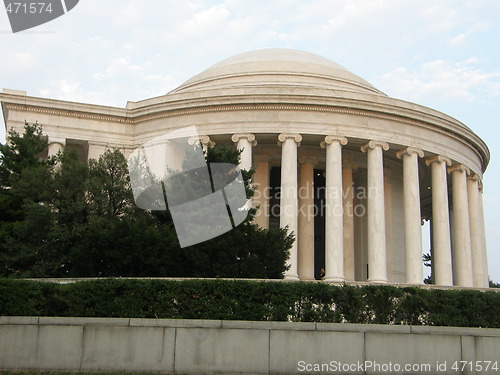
(277, 67)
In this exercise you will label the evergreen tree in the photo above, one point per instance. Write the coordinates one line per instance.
(109, 191)
(24, 186)
(247, 251)
(119, 239)
(64, 218)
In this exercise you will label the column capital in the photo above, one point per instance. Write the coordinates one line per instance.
(438, 159)
(410, 151)
(249, 136)
(329, 139)
(474, 177)
(480, 186)
(459, 168)
(284, 136)
(306, 159)
(61, 141)
(374, 144)
(203, 139)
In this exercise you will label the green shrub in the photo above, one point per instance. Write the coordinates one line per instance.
(250, 300)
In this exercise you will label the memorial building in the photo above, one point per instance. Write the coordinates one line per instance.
(351, 171)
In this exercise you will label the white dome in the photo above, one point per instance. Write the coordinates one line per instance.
(277, 67)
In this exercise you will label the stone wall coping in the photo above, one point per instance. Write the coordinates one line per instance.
(251, 325)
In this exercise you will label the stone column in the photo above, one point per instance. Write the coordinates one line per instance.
(96, 150)
(377, 266)
(388, 225)
(334, 220)
(441, 243)
(289, 200)
(413, 220)
(262, 190)
(431, 252)
(244, 142)
(204, 140)
(473, 195)
(482, 231)
(461, 249)
(56, 145)
(306, 217)
(348, 201)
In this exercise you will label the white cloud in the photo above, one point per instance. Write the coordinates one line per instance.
(20, 60)
(459, 39)
(130, 14)
(120, 80)
(120, 66)
(63, 89)
(206, 20)
(448, 80)
(441, 17)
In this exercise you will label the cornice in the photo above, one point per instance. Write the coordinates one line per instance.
(69, 113)
(136, 119)
(203, 105)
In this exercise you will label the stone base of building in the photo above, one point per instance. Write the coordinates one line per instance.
(215, 346)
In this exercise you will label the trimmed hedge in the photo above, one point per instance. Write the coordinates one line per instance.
(251, 300)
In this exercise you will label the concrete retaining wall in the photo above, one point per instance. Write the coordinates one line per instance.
(196, 346)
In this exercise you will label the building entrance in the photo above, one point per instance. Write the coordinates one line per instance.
(319, 213)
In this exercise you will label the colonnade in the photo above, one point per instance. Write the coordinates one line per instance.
(458, 243)
(94, 149)
(458, 246)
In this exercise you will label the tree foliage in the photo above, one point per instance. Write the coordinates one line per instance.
(63, 218)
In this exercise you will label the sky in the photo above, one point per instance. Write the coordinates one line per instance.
(440, 53)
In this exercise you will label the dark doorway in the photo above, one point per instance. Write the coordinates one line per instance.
(274, 201)
(319, 217)
(319, 222)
